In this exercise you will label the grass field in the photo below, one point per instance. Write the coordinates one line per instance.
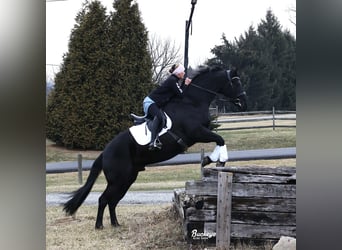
(142, 227)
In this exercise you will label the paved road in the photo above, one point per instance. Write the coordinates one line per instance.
(131, 197)
(191, 158)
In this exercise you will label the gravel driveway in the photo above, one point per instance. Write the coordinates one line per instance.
(132, 197)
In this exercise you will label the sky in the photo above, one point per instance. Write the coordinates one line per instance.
(166, 19)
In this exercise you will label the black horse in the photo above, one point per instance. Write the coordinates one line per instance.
(123, 157)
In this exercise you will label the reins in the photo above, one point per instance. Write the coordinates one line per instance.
(204, 89)
(217, 94)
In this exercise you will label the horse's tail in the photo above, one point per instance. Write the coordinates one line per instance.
(71, 206)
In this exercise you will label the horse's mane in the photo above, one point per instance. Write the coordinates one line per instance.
(203, 69)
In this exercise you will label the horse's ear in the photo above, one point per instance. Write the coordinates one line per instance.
(235, 70)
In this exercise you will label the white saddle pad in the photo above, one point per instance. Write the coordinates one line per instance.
(142, 134)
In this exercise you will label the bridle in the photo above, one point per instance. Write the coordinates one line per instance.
(233, 100)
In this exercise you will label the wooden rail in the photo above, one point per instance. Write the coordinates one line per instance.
(274, 116)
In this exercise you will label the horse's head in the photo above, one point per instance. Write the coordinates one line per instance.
(214, 81)
(235, 91)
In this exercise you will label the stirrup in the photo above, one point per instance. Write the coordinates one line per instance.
(156, 144)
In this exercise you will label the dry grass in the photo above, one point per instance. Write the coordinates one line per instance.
(142, 227)
(55, 153)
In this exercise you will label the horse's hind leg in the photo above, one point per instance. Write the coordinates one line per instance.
(110, 196)
(103, 201)
(113, 193)
(118, 195)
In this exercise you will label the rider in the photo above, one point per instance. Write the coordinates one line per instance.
(157, 99)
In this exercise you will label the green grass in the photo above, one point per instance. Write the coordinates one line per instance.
(253, 139)
(260, 139)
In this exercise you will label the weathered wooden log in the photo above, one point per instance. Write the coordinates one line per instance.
(248, 204)
(277, 170)
(210, 175)
(243, 217)
(263, 218)
(209, 188)
(263, 204)
(193, 214)
(261, 231)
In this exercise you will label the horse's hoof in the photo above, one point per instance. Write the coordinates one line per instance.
(100, 227)
(220, 164)
(206, 160)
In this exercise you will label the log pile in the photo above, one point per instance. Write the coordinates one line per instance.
(261, 206)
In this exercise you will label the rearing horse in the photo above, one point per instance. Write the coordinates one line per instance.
(123, 157)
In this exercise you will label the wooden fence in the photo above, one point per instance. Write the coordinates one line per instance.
(238, 204)
(254, 116)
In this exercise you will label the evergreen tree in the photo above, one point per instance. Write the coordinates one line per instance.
(287, 99)
(266, 58)
(104, 76)
(273, 43)
(130, 66)
(74, 100)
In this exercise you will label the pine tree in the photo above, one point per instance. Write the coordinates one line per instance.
(273, 43)
(287, 100)
(104, 76)
(266, 58)
(74, 100)
(131, 66)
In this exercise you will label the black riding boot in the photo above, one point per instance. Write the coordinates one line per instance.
(155, 143)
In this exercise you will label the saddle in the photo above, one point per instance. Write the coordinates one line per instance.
(142, 127)
(137, 120)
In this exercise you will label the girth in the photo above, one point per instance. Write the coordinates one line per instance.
(178, 140)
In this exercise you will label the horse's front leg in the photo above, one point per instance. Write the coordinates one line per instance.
(220, 153)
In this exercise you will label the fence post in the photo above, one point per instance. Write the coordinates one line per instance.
(79, 166)
(202, 157)
(273, 113)
(224, 206)
(216, 114)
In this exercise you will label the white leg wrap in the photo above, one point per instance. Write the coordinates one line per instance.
(223, 153)
(215, 154)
